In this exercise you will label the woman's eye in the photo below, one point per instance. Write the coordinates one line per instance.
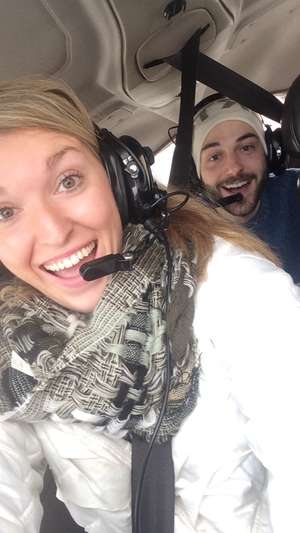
(248, 148)
(6, 213)
(68, 183)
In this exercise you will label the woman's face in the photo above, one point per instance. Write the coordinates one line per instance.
(57, 211)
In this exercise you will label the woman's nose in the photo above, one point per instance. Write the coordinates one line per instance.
(52, 226)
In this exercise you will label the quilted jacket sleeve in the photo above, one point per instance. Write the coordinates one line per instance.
(253, 309)
(21, 479)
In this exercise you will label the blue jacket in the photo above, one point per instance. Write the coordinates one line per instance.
(277, 221)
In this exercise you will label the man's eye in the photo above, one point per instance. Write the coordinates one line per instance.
(6, 213)
(214, 157)
(69, 183)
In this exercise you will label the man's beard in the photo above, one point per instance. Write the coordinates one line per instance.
(250, 199)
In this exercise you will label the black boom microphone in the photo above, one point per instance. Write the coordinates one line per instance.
(104, 266)
(109, 264)
(223, 202)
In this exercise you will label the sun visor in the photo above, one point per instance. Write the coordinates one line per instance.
(159, 37)
(170, 39)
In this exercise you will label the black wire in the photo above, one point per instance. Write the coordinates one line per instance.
(164, 197)
(157, 230)
(160, 235)
(181, 204)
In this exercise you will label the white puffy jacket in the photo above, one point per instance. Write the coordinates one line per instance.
(237, 456)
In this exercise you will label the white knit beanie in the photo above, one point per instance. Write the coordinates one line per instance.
(219, 111)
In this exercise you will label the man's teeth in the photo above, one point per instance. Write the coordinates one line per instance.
(72, 260)
(236, 184)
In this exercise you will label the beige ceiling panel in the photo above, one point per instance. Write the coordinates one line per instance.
(146, 33)
(265, 46)
(31, 39)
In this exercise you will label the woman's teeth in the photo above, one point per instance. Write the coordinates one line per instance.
(72, 260)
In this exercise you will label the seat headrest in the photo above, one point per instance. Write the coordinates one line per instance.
(290, 124)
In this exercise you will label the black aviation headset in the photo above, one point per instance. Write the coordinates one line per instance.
(139, 201)
(128, 166)
(275, 152)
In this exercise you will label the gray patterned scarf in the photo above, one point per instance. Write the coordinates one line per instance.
(109, 367)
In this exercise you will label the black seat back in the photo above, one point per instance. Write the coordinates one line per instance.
(290, 124)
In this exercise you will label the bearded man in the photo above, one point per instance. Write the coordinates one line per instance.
(231, 157)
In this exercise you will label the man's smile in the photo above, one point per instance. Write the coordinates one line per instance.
(234, 186)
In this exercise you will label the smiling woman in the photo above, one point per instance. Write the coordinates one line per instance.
(56, 209)
(97, 377)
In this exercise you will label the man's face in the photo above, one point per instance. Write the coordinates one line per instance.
(233, 161)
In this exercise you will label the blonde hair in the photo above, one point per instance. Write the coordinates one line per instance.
(36, 102)
(201, 224)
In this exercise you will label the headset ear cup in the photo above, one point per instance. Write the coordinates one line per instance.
(112, 164)
(280, 152)
(115, 174)
(141, 188)
(142, 153)
(275, 155)
(269, 144)
(127, 164)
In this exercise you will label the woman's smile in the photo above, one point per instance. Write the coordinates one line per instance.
(57, 211)
(66, 269)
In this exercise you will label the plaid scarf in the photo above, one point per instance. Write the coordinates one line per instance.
(109, 367)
